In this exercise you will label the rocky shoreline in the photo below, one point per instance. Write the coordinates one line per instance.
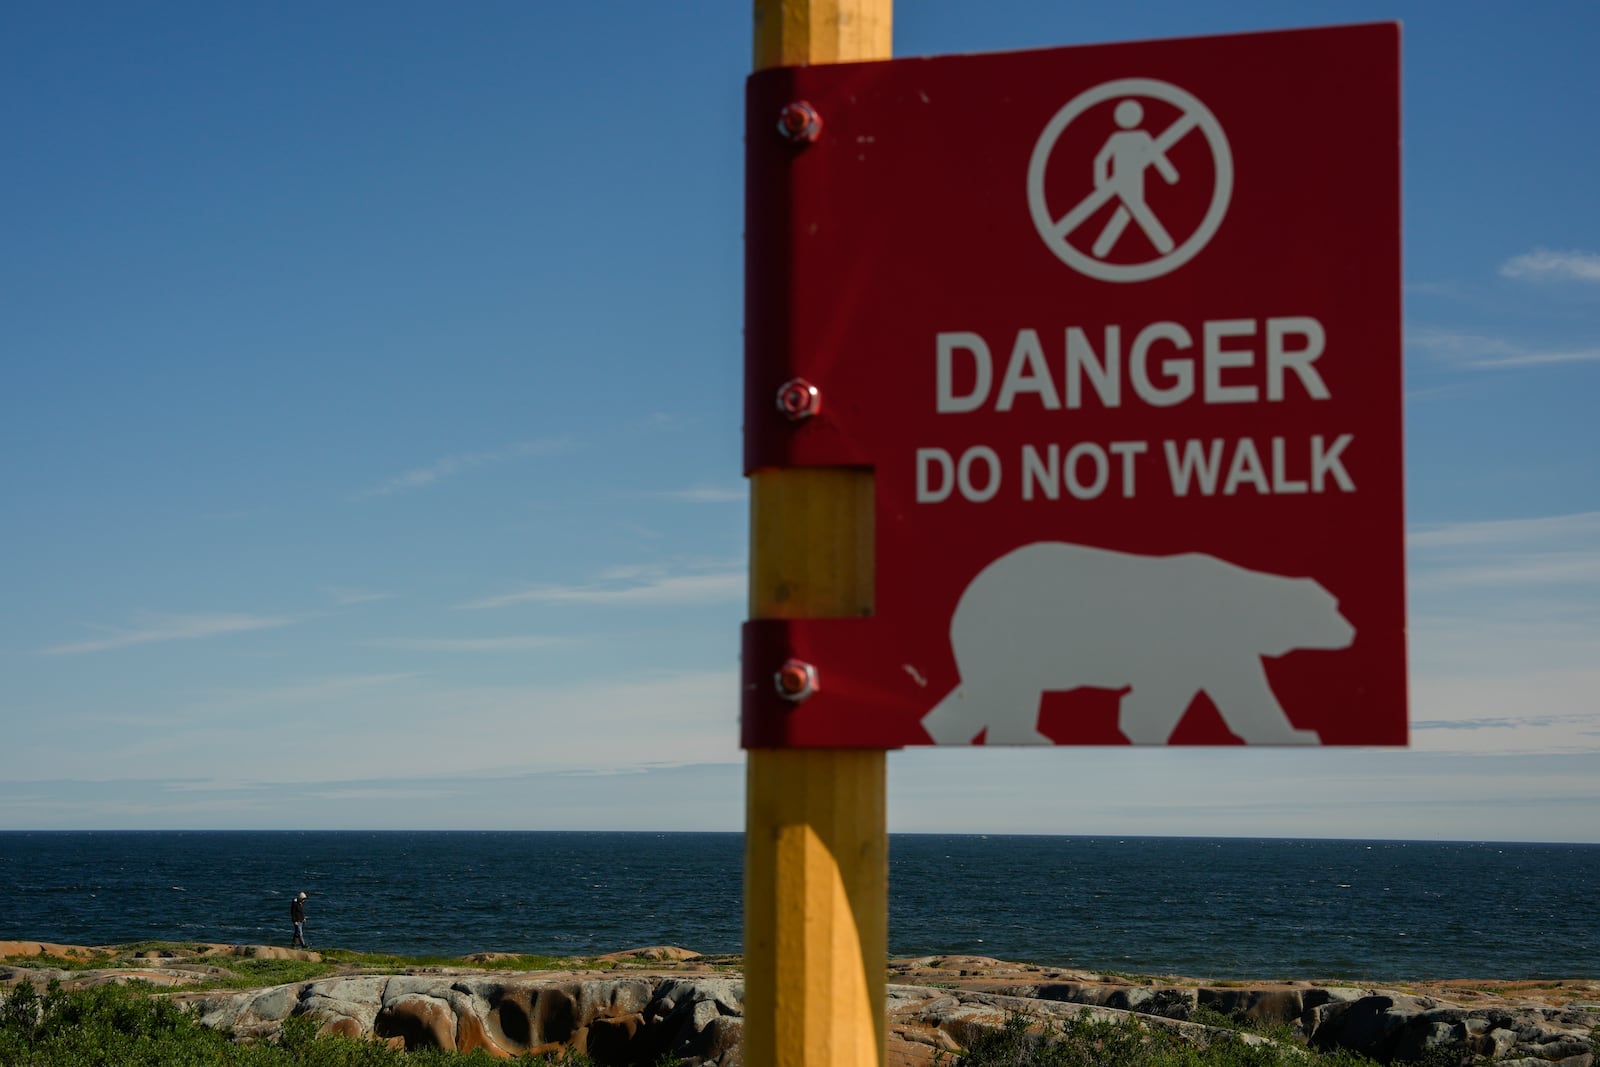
(634, 1006)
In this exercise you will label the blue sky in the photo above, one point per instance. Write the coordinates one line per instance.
(369, 430)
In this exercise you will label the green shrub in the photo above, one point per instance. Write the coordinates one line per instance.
(1088, 1042)
(1206, 1015)
(1443, 1056)
(105, 1024)
(1084, 1042)
(126, 1026)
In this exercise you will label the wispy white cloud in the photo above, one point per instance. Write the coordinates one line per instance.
(511, 643)
(381, 793)
(1478, 352)
(639, 572)
(149, 629)
(440, 469)
(337, 733)
(1552, 550)
(346, 597)
(633, 590)
(1548, 568)
(1543, 264)
(1314, 792)
(1513, 712)
(1505, 635)
(208, 785)
(1535, 358)
(120, 810)
(1430, 391)
(1583, 525)
(1501, 639)
(631, 572)
(314, 691)
(704, 495)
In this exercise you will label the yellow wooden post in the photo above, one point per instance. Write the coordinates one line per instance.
(816, 875)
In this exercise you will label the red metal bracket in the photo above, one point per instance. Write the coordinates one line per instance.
(795, 311)
(854, 697)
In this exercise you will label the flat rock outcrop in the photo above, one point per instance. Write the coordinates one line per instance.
(614, 1020)
(635, 1007)
(699, 1018)
(1526, 1024)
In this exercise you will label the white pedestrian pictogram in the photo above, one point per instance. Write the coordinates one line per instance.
(1121, 172)
(1120, 168)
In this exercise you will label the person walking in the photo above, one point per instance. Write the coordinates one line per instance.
(297, 915)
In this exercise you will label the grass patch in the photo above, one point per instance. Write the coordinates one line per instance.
(251, 973)
(61, 963)
(382, 963)
(1125, 976)
(536, 962)
(165, 948)
(129, 955)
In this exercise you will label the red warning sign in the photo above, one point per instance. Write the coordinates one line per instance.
(1118, 329)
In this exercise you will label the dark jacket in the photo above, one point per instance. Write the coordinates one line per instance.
(297, 911)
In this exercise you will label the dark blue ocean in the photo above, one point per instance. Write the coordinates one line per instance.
(1223, 908)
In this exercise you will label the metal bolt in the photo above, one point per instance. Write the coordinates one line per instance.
(799, 123)
(796, 680)
(799, 399)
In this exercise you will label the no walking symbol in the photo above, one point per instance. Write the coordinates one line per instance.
(1122, 169)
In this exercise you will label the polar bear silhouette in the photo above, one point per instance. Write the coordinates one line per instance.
(1054, 616)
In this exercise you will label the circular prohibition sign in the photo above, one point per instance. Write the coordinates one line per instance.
(1126, 187)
